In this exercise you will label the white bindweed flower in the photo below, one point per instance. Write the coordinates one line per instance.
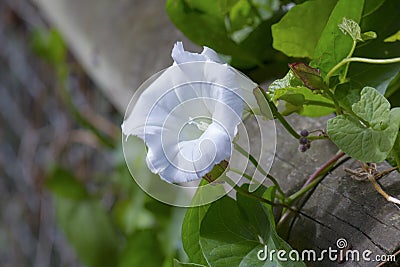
(188, 114)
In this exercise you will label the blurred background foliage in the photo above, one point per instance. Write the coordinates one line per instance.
(66, 195)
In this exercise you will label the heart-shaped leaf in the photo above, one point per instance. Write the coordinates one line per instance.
(370, 132)
(234, 232)
(191, 230)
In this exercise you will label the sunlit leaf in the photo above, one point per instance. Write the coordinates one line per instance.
(393, 38)
(333, 45)
(297, 34)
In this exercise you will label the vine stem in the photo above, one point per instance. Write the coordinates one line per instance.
(285, 124)
(246, 193)
(332, 96)
(377, 187)
(385, 172)
(312, 181)
(318, 103)
(362, 60)
(323, 168)
(315, 177)
(348, 56)
(304, 189)
(318, 137)
(261, 199)
(245, 175)
(279, 116)
(256, 164)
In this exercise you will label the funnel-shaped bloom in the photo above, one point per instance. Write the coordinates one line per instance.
(188, 114)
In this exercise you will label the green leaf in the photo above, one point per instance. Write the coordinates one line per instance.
(393, 88)
(334, 81)
(310, 30)
(191, 230)
(297, 34)
(352, 28)
(262, 104)
(232, 233)
(64, 184)
(269, 194)
(226, 5)
(310, 77)
(308, 108)
(290, 109)
(370, 133)
(88, 229)
(349, 26)
(290, 80)
(333, 45)
(393, 38)
(372, 108)
(240, 28)
(141, 249)
(294, 99)
(377, 76)
(394, 156)
(181, 264)
(191, 233)
(290, 88)
(370, 35)
(347, 95)
(395, 99)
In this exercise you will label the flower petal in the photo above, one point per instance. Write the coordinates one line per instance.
(188, 114)
(181, 56)
(211, 55)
